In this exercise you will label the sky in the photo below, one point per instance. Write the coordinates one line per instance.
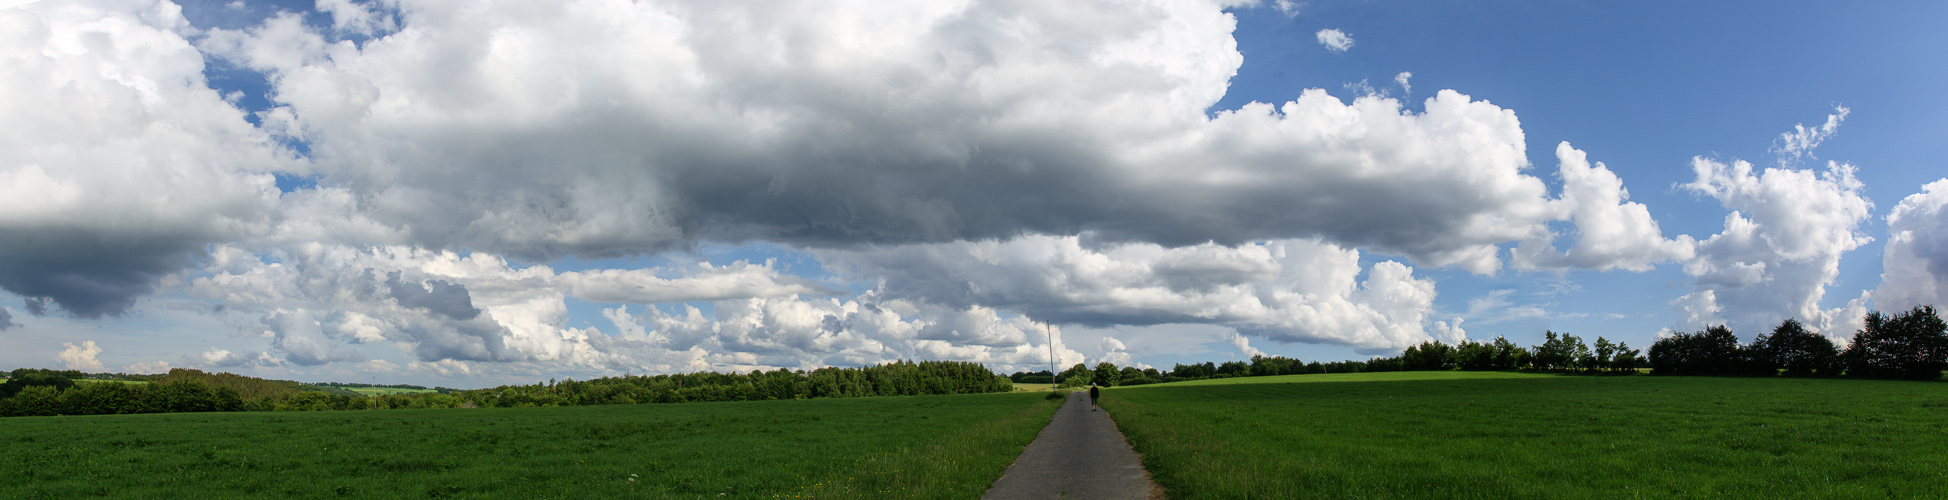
(473, 193)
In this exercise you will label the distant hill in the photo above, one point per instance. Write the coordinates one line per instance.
(252, 388)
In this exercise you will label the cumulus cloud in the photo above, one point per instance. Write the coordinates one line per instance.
(118, 163)
(1915, 261)
(1780, 248)
(1612, 232)
(1403, 79)
(220, 358)
(80, 357)
(1286, 290)
(1335, 40)
(303, 340)
(676, 129)
(149, 367)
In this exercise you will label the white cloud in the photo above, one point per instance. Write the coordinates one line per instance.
(1915, 261)
(147, 367)
(1403, 78)
(80, 357)
(1612, 232)
(222, 358)
(1238, 341)
(317, 302)
(1287, 290)
(1781, 245)
(1335, 40)
(738, 280)
(1287, 7)
(1801, 141)
(348, 16)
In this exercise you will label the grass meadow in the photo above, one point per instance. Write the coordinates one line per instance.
(1508, 435)
(881, 447)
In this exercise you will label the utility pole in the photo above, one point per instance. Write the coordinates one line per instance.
(1051, 353)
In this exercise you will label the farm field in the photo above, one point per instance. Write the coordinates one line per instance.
(1507, 435)
(910, 447)
(1034, 387)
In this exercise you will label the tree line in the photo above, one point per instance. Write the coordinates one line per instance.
(194, 390)
(1909, 345)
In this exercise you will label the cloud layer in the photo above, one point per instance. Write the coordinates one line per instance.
(974, 166)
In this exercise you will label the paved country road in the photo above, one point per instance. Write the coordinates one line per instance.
(1079, 455)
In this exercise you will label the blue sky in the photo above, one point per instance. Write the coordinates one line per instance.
(351, 190)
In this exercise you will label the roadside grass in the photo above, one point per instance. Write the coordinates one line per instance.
(931, 446)
(961, 464)
(1460, 435)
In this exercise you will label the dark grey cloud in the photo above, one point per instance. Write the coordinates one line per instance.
(438, 296)
(87, 273)
(475, 340)
(6, 319)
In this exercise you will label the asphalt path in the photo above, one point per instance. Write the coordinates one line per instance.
(1079, 455)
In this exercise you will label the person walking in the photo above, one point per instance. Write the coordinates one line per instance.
(1093, 394)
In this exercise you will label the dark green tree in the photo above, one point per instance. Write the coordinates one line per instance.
(1471, 355)
(1427, 356)
(1509, 356)
(1799, 352)
(1076, 376)
(1911, 345)
(25, 378)
(1106, 374)
(1712, 351)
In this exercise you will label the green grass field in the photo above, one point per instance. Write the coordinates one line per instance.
(1034, 387)
(901, 447)
(1505, 435)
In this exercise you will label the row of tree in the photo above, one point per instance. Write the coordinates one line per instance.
(194, 390)
(41, 395)
(1909, 345)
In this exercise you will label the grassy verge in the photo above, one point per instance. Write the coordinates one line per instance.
(699, 450)
(1461, 436)
(961, 464)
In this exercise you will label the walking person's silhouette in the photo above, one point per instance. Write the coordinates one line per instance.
(1093, 394)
